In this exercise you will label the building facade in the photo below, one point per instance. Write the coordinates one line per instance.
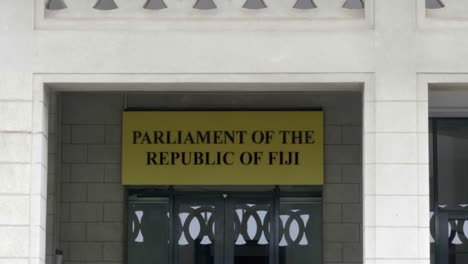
(390, 78)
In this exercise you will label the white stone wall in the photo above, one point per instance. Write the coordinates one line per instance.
(92, 224)
(397, 53)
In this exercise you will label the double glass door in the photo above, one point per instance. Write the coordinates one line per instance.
(225, 229)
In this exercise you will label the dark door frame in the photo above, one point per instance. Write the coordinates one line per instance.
(442, 216)
(226, 200)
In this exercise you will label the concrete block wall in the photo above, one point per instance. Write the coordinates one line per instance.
(92, 201)
(93, 228)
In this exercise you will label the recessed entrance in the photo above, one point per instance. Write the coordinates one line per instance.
(88, 213)
(216, 227)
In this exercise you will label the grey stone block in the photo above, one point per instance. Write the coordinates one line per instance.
(113, 134)
(332, 213)
(104, 154)
(112, 232)
(352, 173)
(113, 251)
(74, 153)
(105, 192)
(66, 133)
(352, 252)
(333, 252)
(88, 134)
(332, 135)
(341, 193)
(343, 154)
(334, 232)
(65, 212)
(74, 192)
(333, 173)
(352, 135)
(73, 232)
(85, 251)
(352, 213)
(87, 172)
(113, 173)
(114, 212)
(65, 173)
(86, 212)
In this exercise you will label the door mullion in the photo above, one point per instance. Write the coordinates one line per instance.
(172, 217)
(274, 227)
(228, 231)
(176, 229)
(219, 231)
(442, 238)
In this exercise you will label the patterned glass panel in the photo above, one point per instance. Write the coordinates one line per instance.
(252, 233)
(458, 241)
(300, 231)
(195, 233)
(148, 232)
(457, 231)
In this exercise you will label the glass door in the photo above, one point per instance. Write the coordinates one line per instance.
(149, 230)
(449, 190)
(224, 228)
(248, 230)
(300, 230)
(198, 228)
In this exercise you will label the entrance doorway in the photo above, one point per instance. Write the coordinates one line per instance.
(225, 228)
(449, 190)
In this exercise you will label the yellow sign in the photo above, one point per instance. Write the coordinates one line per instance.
(222, 148)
